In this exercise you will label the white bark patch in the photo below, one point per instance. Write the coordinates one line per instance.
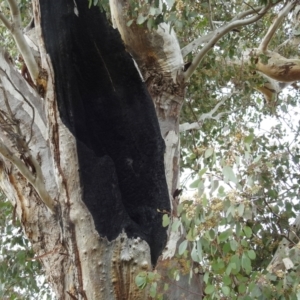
(30, 37)
(132, 249)
(170, 249)
(287, 263)
(173, 60)
(22, 105)
(138, 69)
(75, 9)
(171, 141)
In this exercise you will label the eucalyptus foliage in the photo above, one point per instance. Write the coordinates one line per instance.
(20, 274)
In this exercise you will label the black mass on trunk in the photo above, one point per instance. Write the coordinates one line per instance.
(106, 106)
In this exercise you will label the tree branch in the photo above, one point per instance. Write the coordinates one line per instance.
(27, 160)
(37, 180)
(196, 43)
(5, 21)
(14, 11)
(210, 115)
(24, 98)
(15, 28)
(204, 39)
(212, 26)
(273, 28)
(286, 248)
(219, 33)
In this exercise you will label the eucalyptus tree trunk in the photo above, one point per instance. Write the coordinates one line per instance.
(89, 151)
(82, 157)
(159, 58)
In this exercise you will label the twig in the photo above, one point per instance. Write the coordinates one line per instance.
(212, 26)
(252, 8)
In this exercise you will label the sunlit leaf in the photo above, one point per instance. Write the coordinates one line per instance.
(208, 152)
(166, 220)
(229, 174)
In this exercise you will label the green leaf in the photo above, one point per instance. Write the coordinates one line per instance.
(175, 225)
(209, 289)
(150, 276)
(200, 188)
(195, 184)
(244, 243)
(229, 268)
(192, 234)
(152, 11)
(206, 277)
(241, 209)
(182, 247)
(170, 3)
(202, 172)
(226, 279)
(228, 174)
(150, 23)
(211, 234)
(141, 19)
(226, 248)
(225, 290)
(129, 23)
(209, 152)
(221, 191)
(214, 186)
(248, 139)
(153, 289)
(248, 231)
(257, 159)
(166, 220)
(235, 262)
(251, 254)
(199, 250)
(194, 254)
(242, 288)
(141, 280)
(224, 235)
(246, 263)
(233, 245)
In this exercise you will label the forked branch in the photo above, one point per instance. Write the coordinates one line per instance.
(15, 28)
(273, 28)
(23, 159)
(219, 33)
(204, 39)
(207, 116)
(37, 180)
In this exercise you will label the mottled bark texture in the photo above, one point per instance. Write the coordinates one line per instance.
(103, 102)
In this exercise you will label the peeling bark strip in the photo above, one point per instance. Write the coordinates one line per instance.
(103, 102)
